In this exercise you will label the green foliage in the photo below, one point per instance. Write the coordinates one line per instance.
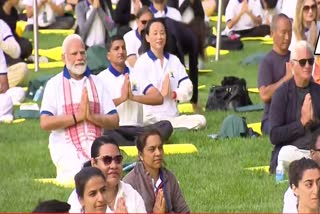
(213, 180)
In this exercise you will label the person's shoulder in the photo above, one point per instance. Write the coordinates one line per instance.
(56, 78)
(168, 174)
(129, 34)
(142, 59)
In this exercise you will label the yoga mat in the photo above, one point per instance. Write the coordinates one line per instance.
(267, 42)
(57, 31)
(20, 26)
(211, 51)
(256, 127)
(185, 108)
(54, 181)
(203, 70)
(259, 168)
(215, 18)
(253, 90)
(52, 53)
(168, 149)
(58, 64)
(200, 87)
(262, 38)
(248, 108)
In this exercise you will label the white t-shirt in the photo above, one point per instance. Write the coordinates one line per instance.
(133, 42)
(245, 22)
(290, 202)
(130, 112)
(60, 145)
(288, 7)
(149, 65)
(97, 33)
(5, 33)
(133, 199)
(46, 15)
(169, 12)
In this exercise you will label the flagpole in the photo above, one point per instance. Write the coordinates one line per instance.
(35, 36)
(218, 30)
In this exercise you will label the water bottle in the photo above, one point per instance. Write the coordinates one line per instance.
(279, 172)
(38, 94)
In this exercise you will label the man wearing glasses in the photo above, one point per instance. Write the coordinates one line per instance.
(290, 199)
(76, 107)
(294, 111)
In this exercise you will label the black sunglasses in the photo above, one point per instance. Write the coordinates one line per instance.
(303, 62)
(308, 7)
(144, 22)
(107, 160)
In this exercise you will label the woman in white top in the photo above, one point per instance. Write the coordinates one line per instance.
(305, 23)
(121, 197)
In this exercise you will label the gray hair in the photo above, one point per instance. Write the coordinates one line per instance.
(67, 41)
(302, 44)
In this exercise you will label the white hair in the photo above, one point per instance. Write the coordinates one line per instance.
(302, 44)
(67, 41)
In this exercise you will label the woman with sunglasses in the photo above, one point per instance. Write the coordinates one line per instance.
(305, 23)
(157, 185)
(121, 197)
(294, 111)
(91, 190)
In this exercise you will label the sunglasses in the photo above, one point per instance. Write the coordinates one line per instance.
(303, 62)
(107, 160)
(307, 8)
(144, 22)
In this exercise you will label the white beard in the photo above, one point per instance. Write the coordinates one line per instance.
(77, 69)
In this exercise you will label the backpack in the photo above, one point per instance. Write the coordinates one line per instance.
(231, 94)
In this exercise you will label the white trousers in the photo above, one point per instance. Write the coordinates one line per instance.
(291, 153)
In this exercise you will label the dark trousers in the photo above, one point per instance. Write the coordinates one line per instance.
(62, 22)
(126, 135)
(26, 50)
(261, 30)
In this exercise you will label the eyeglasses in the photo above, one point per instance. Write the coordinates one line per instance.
(107, 160)
(303, 62)
(307, 8)
(144, 22)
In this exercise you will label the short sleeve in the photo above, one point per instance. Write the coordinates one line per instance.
(264, 73)
(229, 14)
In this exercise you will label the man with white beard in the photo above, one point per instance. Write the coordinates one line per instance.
(76, 107)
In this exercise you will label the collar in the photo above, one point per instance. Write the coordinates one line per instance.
(154, 58)
(138, 35)
(118, 73)
(154, 10)
(66, 72)
(240, 1)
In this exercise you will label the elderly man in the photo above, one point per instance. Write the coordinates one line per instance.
(274, 68)
(294, 110)
(129, 90)
(76, 107)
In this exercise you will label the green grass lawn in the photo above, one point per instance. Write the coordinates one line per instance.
(213, 180)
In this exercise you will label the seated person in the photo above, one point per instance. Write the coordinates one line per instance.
(129, 90)
(290, 199)
(91, 190)
(75, 108)
(9, 14)
(304, 25)
(159, 8)
(270, 8)
(50, 15)
(16, 73)
(126, 12)
(106, 156)
(169, 76)
(294, 110)
(133, 37)
(94, 21)
(244, 18)
(166, 196)
(304, 177)
(274, 69)
(52, 206)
